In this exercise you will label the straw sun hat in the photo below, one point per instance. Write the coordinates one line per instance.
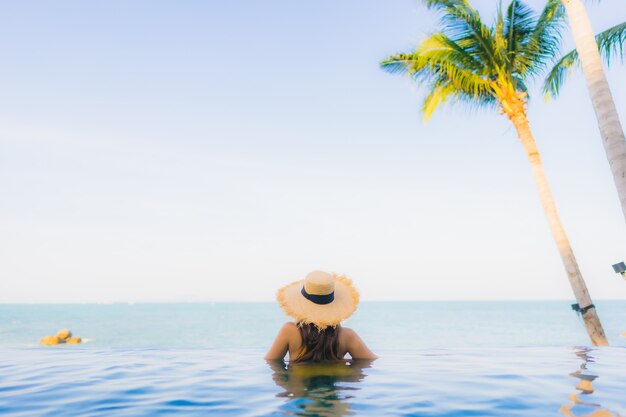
(321, 299)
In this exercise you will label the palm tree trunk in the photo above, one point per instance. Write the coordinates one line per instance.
(590, 317)
(603, 104)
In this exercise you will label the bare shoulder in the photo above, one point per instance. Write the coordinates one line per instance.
(286, 337)
(348, 336)
(355, 345)
(290, 326)
(289, 329)
(347, 333)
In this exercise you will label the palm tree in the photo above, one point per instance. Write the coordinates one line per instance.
(489, 66)
(608, 120)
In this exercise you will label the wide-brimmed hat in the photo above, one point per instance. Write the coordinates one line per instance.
(321, 299)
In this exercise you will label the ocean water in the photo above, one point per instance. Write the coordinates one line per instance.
(383, 325)
(437, 359)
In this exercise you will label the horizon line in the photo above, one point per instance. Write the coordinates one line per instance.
(273, 301)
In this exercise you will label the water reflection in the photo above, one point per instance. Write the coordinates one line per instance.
(318, 389)
(583, 407)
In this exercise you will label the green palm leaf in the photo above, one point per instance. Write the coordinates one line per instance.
(461, 22)
(610, 45)
(518, 27)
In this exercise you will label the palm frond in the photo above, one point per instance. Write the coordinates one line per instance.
(439, 94)
(448, 70)
(439, 56)
(402, 64)
(556, 77)
(518, 27)
(499, 37)
(462, 23)
(610, 45)
(545, 40)
(442, 92)
(611, 42)
(439, 49)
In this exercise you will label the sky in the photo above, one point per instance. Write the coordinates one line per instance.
(215, 151)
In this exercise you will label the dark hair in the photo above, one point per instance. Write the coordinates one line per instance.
(318, 345)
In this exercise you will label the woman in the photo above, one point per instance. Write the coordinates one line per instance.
(318, 304)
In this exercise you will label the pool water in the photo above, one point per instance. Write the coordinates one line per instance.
(437, 359)
(80, 381)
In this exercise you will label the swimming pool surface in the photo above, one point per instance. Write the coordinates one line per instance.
(84, 381)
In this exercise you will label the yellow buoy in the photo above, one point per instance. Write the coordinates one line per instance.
(73, 340)
(64, 334)
(51, 340)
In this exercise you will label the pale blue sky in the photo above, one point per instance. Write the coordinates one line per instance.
(197, 150)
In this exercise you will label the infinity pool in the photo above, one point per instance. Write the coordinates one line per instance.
(84, 381)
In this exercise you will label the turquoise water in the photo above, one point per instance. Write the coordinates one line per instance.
(384, 325)
(437, 359)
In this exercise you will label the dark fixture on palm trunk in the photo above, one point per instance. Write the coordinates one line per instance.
(620, 268)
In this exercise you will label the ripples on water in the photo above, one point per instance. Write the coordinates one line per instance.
(81, 381)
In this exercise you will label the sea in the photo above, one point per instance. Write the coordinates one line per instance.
(517, 358)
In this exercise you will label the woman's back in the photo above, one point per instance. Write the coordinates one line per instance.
(318, 345)
(305, 343)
